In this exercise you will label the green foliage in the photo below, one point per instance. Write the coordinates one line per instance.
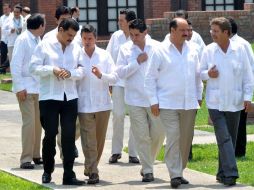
(6, 87)
(10, 182)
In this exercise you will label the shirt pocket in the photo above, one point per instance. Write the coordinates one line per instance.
(237, 68)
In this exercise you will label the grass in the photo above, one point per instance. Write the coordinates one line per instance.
(209, 128)
(205, 159)
(10, 182)
(6, 87)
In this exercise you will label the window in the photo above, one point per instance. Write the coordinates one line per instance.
(249, 1)
(216, 5)
(88, 11)
(103, 14)
(114, 7)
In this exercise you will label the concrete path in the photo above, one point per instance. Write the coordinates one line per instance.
(120, 176)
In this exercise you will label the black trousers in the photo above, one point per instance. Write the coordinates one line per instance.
(4, 52)
(240, 149)
(50, 111)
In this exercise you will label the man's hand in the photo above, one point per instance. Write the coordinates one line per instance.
(213, 72)
(247, 106)
(155, 110)
(142, 58)
(96, 72)
(61, 73)
(21, 95)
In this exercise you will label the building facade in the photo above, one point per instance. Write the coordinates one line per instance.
(103, 14)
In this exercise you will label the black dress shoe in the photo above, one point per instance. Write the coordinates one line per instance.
(46, 178)
(220, 178)
(73, 181)
(175, 182)
(76, 152)
(93, 179)
(229, 181)
(38, 161)
(147, 177)
(133, 160)
(114, 158)
(27, 165)
(184, 181)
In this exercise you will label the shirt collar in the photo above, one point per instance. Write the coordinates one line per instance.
(232, 46)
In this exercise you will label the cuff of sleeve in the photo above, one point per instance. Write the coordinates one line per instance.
(153, 101)
(247, 97)
(205, 75)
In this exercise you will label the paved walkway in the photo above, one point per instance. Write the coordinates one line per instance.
(120, 176)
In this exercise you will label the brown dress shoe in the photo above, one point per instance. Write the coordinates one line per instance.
(114, 158)
(93, 179)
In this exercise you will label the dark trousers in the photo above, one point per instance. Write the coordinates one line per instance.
(4, 51)
(226, 126)
(50, 110)
(240, 148)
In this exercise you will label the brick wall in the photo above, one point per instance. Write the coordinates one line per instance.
(155, 8)
(200, 21)
(14, 2)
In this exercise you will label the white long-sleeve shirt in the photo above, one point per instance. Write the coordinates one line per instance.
(16, 24)
(94, 92)
(134, 73)
(235, 84)
(173, 78)
(4, 20)
(117, 39)
(49, 54)
(22, 78)
(247, 47)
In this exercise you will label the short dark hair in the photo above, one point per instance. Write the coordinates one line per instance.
(18, 6)
(172, 24)
(181, 13)
(233, 25)
(62, 10)
(138, 24)
(69, 23)
(129, 15)
(88, 28)
(35, 21)
(74, 9)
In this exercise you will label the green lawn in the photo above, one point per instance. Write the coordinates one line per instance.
(6, 87)
(10, 182)
(205, 160)
(209, 128)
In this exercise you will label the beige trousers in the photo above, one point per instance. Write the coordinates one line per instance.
(31, 128)
(93, 128)
(186, 124)
(149, 135)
